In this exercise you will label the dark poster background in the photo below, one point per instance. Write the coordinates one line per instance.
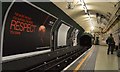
(27, 29)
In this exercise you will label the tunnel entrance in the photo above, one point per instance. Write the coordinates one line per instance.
(86, 41)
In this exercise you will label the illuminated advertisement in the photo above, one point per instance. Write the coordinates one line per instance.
(74, 35)
(62, 34)
(27, 29)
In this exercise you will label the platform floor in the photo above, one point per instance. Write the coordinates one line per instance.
(96, 59)
(104, 61)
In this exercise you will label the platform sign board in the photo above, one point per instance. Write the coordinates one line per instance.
(27, 28)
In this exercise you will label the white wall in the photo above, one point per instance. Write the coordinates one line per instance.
(113, 30)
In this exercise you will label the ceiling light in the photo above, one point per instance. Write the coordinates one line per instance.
(92, 28)
(70, 4)
(85, 9)
(69, 0)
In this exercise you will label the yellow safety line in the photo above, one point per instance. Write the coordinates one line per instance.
(82, 61)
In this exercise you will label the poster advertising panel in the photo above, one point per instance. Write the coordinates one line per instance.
(62, 34)
(26, 29)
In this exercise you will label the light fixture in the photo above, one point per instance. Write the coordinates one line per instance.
(69, 0)
(92, 28)
(88, 13)
(70, 4)
(83, 5)
(85, 9)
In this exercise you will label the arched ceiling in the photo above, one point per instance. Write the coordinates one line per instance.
(100, 12)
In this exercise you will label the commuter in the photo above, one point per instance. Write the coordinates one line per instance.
(110, 41)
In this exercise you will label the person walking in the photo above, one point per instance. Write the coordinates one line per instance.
(110, 41)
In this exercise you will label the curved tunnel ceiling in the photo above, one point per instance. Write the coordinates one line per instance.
(100, 13)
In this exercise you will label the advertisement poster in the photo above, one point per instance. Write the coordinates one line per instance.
(74, 35)
(27, 29)
(62, 34)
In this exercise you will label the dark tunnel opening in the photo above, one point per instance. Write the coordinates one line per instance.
(86, 41)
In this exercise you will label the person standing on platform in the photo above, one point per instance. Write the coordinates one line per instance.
(110, 41)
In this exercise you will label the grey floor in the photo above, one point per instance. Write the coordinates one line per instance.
(104, 61)
(99, 60)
